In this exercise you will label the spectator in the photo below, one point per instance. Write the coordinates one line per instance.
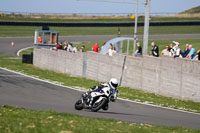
(177, 50)
(139, 50)
(192, 52)
(65, 45)
(165, 51)
(111, 50)
(58, 46)
(197, 57)
(82, 49)
(74, 49)
(39, 39)
(155, 49)
(70, 47)
(186, 51)
(171, 50)
(95, 47)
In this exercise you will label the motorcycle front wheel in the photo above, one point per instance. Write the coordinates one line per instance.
(78, 105)
(97, 106)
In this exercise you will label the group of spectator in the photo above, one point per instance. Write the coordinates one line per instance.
(154, 50)
(110, 51)
(172, 50)
(68, 47)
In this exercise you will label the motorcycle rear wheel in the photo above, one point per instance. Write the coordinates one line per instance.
(99, 105)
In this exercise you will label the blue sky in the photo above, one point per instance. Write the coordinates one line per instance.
(87, 6)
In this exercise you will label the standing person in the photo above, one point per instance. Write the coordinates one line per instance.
(111, 50)
(155, 49)
(192, 52)
(74, 49)
(95, 47)
(40, 39)
(186, 51)
(177, 51)
(165, 51)
(58, 46)
(65, 45)
(82, 49)
(197, 57)
(139, 50)
(171, 50)
(70, 47)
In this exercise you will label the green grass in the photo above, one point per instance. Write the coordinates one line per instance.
(83, 83)
(13, 31)
(17, 120)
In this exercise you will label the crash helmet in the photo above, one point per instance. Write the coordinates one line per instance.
(113, 82)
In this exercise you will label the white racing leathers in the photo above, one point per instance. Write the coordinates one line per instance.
(113, 90)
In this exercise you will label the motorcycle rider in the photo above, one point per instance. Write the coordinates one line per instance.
(112, 84)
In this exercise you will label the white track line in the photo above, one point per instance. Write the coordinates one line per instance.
(19, 51)
(56, 84)
(11, 75)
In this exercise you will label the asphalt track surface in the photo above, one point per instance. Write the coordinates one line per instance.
(22, 91)
(22, 42)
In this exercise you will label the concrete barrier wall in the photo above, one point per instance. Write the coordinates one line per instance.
(103, 67)
(59, 61)
(179, 78)
(191, 80)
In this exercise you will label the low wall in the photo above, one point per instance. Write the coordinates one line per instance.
(179, 78)
(167, 76)
(59, 61)
(103, 67)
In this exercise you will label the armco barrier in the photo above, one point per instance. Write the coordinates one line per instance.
(179, 78)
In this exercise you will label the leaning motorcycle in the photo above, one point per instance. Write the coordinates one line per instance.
(101, 98)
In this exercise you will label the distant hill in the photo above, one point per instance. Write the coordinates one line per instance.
(194, 10)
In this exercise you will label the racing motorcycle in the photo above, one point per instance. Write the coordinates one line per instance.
(101, 98)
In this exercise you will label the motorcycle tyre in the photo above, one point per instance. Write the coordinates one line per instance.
(105, 107)
(95, 109)
(78, 105)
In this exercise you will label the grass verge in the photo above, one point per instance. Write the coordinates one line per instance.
(14, 119)
(13, 31)
(83, 83)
